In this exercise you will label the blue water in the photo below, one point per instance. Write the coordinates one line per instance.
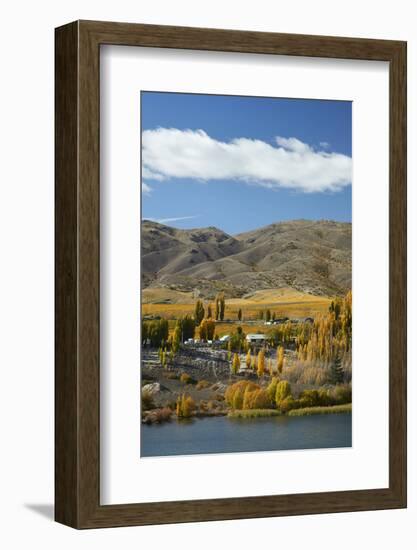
(227, 435)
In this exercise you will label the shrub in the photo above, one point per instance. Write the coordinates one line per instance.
(282, 392)
(185, 406)
(162, 415)
(316, 398)
(203, 384)
(147, 401)
(342, 394)
(170, 375)
(288, 404)
(186, 378)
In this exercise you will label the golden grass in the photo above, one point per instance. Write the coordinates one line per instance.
(334, 409)
(284, 302)
(254, 413)
(161, 295)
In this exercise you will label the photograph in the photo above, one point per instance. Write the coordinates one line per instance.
(246, 274)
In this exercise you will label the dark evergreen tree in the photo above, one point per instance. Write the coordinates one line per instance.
(336, 370)
(198, 312)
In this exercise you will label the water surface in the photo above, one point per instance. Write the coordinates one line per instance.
(227, 435)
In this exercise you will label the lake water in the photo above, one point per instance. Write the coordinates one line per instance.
(227, 435)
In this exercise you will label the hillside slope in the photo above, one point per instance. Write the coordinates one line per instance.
(310, 256)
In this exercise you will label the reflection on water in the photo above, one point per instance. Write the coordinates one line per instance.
(226, 435)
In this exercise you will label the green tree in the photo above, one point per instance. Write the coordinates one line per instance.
(239, 315)
(156, 331)
(336, 370)
(222, 306)
(268, 315)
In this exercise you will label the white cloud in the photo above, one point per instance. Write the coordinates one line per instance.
(324, 144)
(146, 189)
(293, 144)
(172, 153)
(166, 220)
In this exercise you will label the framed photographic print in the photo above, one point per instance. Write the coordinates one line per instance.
(230, 274)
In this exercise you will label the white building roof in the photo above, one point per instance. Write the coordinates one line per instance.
(256, 337)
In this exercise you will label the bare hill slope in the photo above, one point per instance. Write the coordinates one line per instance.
(310, 256)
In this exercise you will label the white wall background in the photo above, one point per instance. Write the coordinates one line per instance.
(26, 272)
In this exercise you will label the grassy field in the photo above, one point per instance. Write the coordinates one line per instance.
(285, 302)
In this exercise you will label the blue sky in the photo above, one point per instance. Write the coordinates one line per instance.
(229, 162)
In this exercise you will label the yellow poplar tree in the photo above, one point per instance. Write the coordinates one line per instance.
(280, 358)
(235, 364)
(261, 363)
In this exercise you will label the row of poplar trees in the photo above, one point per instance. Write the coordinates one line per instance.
(330, 336)
(219, 309)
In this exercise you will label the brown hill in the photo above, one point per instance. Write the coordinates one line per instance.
(310, 256)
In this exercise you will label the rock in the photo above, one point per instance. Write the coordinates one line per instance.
(151, 389)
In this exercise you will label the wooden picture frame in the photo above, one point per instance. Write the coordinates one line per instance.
(77, 374)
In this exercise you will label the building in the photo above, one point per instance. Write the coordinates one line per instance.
(256, 338)
(224, 338)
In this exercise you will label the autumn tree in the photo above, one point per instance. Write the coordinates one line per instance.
(176, 340)
(209, 312)
(261, 363)
(220, 306)
(164, 359)
(207, 328)
(282, 392)
(198, 312)
(280, 358)
(235, 363)
(239, 315)
(272, 388)
(268, 315)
